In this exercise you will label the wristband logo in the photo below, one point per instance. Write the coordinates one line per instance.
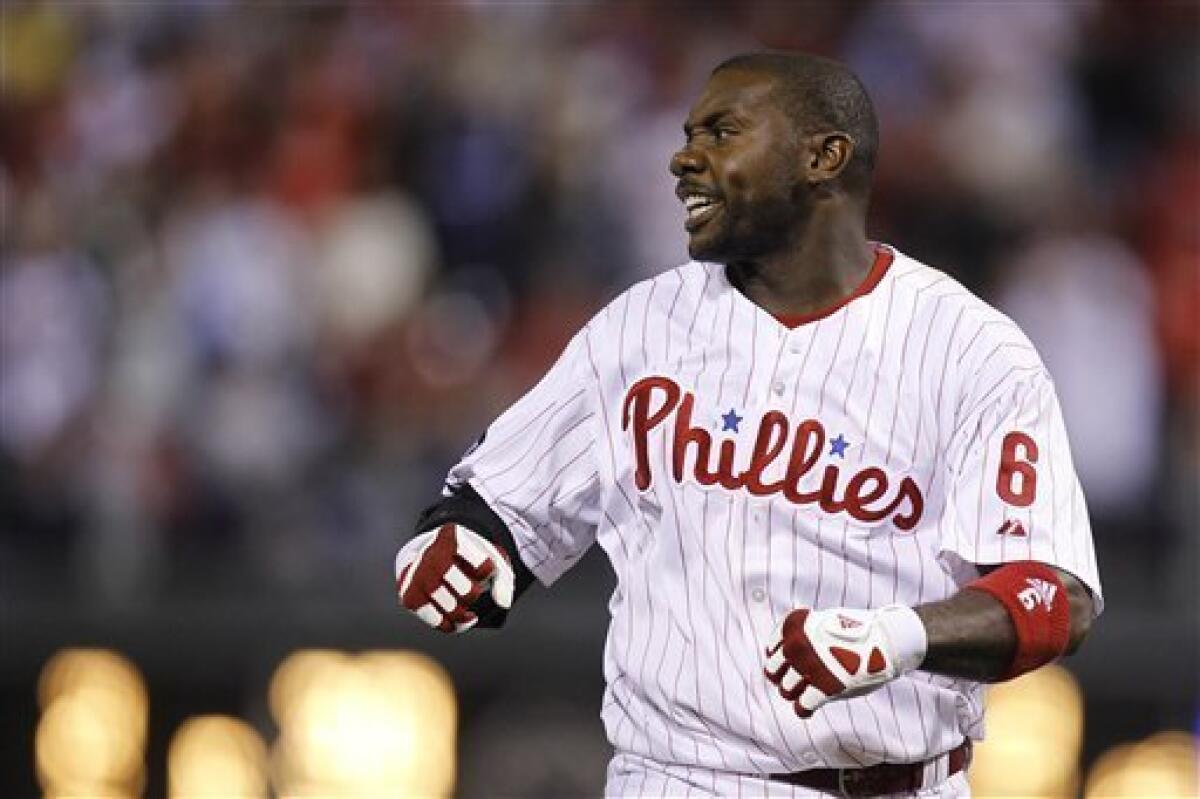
(1038, 592)
(867, 495)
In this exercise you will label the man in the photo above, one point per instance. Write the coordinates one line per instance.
(834, 486)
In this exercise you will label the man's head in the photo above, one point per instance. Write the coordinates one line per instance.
(771, 136)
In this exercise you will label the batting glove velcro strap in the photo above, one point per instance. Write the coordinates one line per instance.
(440, 573)
(818, 655)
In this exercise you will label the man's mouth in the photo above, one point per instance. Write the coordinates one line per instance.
(700, 209)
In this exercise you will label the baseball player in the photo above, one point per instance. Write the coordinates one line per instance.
(834, 486)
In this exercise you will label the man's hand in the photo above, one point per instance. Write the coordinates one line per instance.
(440, 573)
(819, 655)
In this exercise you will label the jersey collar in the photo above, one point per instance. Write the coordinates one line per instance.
(884, 256)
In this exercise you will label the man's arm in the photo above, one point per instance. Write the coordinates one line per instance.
(462, 569)
(1008, 460)
(1014, 619)
(527, 490)
(971, 634)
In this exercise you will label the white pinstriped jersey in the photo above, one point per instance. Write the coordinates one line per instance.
(733, 468)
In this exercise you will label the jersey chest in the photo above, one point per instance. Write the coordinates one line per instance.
(822, 418)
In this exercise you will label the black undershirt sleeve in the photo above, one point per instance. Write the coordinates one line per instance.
(465, 507)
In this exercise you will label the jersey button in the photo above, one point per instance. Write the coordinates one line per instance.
(794, 348)
(779, 388)
(758, 594)
(811, 758)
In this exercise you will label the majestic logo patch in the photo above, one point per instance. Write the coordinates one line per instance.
(1012, 527)
(867, 495)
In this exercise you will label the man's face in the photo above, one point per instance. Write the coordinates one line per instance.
(739, 172)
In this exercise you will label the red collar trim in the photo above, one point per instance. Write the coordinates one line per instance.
(883, 260)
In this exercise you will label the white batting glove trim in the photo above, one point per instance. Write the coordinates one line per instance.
(458, 581)
(445, 600)
(466, 625)
(834, 627)
(471, 546)
(475, 549)
(906, 637)
(429, 614)
(409, 554)
(860, 631)
(812, 698)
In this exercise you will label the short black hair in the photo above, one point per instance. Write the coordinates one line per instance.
(819, 94)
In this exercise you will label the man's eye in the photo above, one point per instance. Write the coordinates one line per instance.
(723, 133)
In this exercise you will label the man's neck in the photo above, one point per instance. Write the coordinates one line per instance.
(824, 263)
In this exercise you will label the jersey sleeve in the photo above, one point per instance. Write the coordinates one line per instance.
(1013, 491)
(535, 466)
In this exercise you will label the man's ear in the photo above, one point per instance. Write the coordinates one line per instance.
(828, 154)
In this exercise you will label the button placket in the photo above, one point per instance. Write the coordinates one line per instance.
(757, 564)
(789, 365)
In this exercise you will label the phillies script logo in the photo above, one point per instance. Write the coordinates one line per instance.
(867, 495)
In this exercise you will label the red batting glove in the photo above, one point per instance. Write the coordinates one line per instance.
(819, 655)
(439, 574)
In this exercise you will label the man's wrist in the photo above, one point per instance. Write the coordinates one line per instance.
(906, 636)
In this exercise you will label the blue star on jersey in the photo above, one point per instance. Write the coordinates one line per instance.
(838, 446)
(730, 421)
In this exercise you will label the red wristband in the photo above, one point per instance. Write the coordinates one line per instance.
(1037, 603)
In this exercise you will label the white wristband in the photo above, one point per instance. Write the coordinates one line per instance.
(905, 633)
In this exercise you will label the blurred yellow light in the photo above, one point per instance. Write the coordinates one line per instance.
(382, 724)
(1034, 732)
(1164, 765)
(296, 678)
(70, 669)
(217, 756)
(91, 738)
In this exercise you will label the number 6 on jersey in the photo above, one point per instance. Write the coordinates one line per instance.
(1018, 454)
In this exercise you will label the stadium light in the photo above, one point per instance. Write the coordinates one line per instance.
(91, 737)
(1164, 765)
(380, 724)
(1014, 760)
(213, 756)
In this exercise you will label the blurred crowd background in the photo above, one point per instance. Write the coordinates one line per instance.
(268, 269)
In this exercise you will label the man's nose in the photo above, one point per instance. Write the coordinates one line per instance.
(685, 160)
